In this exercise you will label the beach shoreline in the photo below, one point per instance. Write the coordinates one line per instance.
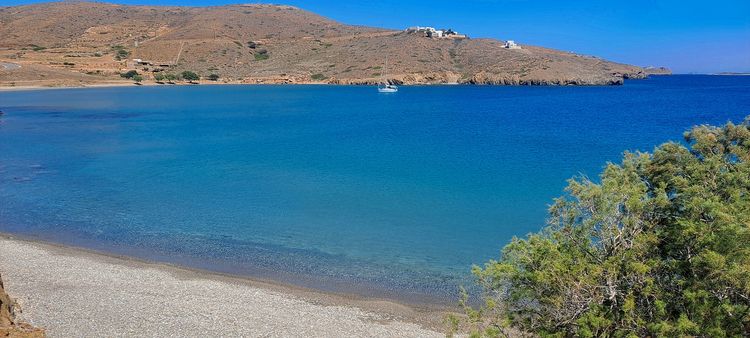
(113, 83)
(33, 271)
(4, 88)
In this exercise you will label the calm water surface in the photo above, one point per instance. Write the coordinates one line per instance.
(333, 187)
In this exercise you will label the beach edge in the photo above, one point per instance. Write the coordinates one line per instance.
(428, 317)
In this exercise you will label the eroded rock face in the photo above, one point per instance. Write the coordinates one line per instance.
(9, 327)
(480, 78)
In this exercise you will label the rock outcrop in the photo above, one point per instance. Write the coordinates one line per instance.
(9, 326)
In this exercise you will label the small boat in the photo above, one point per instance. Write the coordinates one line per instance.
(388, 89)
(385, 86)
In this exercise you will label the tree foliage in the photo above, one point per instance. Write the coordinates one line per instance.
(190, 76)
(129, 74)
(660, 247)
(171, 77)
(120, 52)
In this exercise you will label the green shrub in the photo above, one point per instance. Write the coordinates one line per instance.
(130, 74)
(213, 77)
(120, 52)
(659, 247)
(261, 54)
(137, 78)
(171, 77)
(190, 76)
(318, 77)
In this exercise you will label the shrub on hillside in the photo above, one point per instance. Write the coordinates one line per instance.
(660, 247)
(261, 54)
(318, 77)
(120, 52)
(171, 77)
(130, 74)
(190, 76)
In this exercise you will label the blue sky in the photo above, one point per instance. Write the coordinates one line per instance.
(688, 36)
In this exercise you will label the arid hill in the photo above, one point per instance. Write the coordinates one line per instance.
(73, 43)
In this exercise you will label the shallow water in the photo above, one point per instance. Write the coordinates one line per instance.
(334, 187)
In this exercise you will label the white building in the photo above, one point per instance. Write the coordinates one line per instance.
(510, 44)
(435, 33)
(431, 32)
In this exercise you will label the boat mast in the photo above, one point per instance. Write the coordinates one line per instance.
(385, 72)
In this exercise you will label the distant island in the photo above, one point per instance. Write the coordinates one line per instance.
(658, 71)
(86, 43)
(734, 73)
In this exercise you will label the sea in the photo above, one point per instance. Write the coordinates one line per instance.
(336, 188)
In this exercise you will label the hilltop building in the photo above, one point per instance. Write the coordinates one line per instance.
(454, 35)
(510, 44)
(431, 32)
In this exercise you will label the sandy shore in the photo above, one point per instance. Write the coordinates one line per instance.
(45, 87)
(75, 292)
(149, 84)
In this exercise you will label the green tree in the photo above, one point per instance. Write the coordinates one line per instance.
(659, 247)
(159, 77)
(130, 74)
(120, 52)
(170, 77)
(213, 77)
(137, 78)
(190, 76)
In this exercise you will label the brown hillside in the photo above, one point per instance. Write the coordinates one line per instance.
(73, 43)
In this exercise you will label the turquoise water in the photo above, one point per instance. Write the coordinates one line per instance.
(333, 187)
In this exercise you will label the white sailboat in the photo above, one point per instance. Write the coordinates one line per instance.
(384, 86)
